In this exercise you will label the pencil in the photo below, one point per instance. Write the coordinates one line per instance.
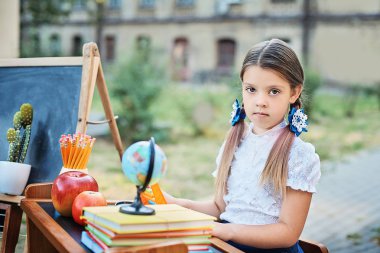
(83, 144)
(84, 158)
(78, 159)
(88, 152)
(75, 150)
(68, 150)
(61, 144)
(71, 153)
(77, 153)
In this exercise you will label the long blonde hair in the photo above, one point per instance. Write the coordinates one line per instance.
(278, 56)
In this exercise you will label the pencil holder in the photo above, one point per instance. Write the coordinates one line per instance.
(75, 151)
(63, 170)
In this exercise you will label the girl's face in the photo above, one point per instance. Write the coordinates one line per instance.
(266, 97)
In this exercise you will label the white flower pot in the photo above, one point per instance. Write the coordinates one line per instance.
(13, 177)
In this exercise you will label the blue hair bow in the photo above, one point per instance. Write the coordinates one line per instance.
(237, 113)
(297, 121)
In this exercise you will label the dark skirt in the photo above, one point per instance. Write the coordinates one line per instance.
(294, 249)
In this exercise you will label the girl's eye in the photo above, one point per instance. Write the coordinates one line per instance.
(274, 92)
(250, 89)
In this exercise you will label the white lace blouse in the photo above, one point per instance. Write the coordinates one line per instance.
(248, 202)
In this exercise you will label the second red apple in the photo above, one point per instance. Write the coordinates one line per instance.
(86, 198)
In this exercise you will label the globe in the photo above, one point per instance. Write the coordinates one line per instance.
(135, 163)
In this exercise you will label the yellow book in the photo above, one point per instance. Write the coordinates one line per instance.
(167, 217)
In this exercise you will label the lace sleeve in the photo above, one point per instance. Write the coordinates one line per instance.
(304, 167)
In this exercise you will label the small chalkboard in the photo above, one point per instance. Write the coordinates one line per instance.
(54, 92)
(60, 89)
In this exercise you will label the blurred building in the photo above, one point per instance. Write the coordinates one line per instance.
(9, 28)
(205, 39)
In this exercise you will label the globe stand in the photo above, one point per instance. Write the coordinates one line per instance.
(137, 207)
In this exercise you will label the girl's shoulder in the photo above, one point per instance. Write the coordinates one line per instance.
(304, 166)
(301, 148)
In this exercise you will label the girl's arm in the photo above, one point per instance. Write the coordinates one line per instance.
(283, 234)
(207, 207)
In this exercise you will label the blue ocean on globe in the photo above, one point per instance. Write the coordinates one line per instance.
(135, 163)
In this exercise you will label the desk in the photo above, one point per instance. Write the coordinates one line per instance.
(10, 221)
(50, 232)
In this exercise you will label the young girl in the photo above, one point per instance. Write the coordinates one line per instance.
(265, 174)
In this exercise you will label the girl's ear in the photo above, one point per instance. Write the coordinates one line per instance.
(296, 93)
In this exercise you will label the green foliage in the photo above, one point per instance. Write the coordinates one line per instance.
(30, 43)
(312, 83)
(354, 92)
(195, 111)
(377, 92)
(135, 86)
(45, 11)
(19, 139)
(355, 238)
(352, 96)
(373, 90)
(336, 135)
(35, 13)
(376, 237)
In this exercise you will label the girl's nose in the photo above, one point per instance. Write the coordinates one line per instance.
(261, 101)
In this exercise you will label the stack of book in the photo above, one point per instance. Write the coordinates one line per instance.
(108, 229)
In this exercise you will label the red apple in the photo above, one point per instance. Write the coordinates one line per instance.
(67, 186)
(86, 198)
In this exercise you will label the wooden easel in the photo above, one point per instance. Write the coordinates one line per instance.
(92, 73)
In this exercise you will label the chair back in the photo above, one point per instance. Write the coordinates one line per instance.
(38, 191)
(309, 246)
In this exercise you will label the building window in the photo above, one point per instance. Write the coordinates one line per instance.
(180, 59)
(79, 4)
(35, 45)
(228, 6)
(55, 45)
(147, 4)
(184, 3)
(77, 45)
(286, 40)
(110, 48)
(226, 55)
(282, 1)
(143, 43)
(114, 4)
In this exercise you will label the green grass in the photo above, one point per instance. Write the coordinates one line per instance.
(336, 135)
(355, 238)
(376, 236)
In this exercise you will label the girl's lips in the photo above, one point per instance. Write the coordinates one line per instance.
(260, 114)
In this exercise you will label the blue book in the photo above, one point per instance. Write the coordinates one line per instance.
(89, 243)
(202, 251)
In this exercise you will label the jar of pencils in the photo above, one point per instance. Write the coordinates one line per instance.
(75, 151)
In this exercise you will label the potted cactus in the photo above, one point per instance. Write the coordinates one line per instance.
(14, 173)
